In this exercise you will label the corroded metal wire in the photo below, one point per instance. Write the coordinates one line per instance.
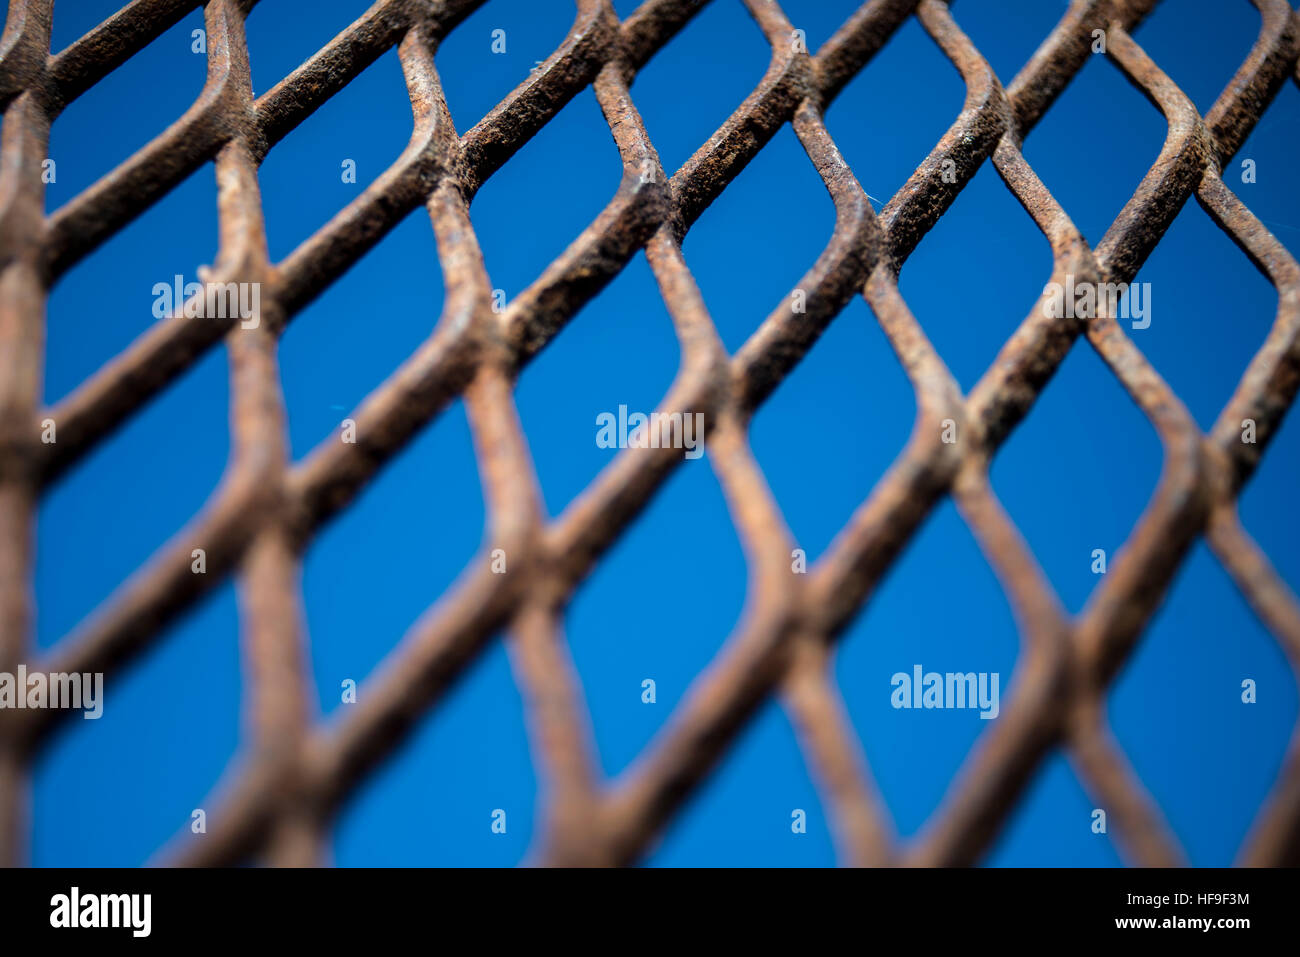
(276, 802)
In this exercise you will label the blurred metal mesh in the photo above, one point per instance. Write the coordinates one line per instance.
(279, 797)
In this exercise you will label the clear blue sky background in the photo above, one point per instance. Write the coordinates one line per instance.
(1074, 477)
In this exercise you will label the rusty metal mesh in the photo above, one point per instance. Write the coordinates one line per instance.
(293, 773)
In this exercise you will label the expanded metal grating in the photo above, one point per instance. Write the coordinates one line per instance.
(294, 772)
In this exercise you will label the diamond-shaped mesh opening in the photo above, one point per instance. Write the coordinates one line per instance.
(522, 228)
(335, 155)
(627, 319)
(884, 127)
(139, 276)
(1194, 326)
(670, 636)
(913, 739)
(1093, 186)
(134, 814)
(1209, 680)
(1076, 476)
(1200, 61)
(724, 55)
(496, 48)
(750, 247)
(1058, 825)
(102, 128)
(999, 278)
(274, 52)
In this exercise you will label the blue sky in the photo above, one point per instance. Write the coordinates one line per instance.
(1075, 476)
